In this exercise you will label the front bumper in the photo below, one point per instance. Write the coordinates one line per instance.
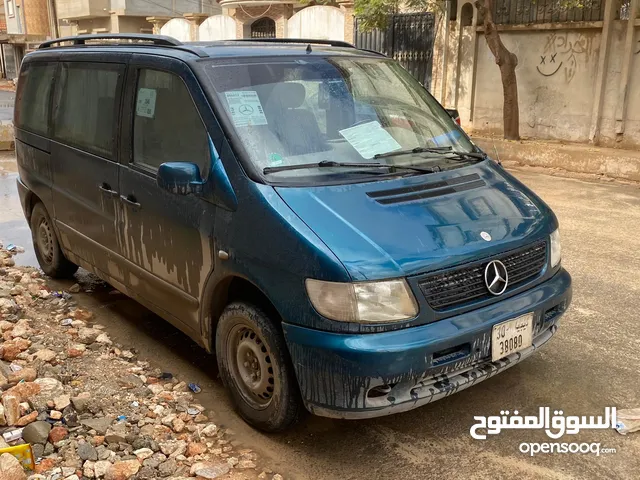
(371, 375)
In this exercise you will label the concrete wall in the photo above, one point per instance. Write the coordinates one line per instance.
(557, 79)
(217, 27)
(15, 22)
(37, 17)
(320, 22)
(178, 28)
(163, 7)
(73, 9)
(94, 25)
(555, 83)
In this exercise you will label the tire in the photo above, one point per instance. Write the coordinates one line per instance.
(269, 400)
(46, 245)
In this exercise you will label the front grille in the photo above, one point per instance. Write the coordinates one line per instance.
(456, 287)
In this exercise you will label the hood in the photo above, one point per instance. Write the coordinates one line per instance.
(407, 226)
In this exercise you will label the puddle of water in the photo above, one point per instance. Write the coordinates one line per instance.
(13, 225)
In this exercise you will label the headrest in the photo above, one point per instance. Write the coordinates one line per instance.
(289, 95)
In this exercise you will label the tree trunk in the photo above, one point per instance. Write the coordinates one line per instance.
(507, 62)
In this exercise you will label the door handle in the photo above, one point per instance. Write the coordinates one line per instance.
(130, 201)
(105, 188)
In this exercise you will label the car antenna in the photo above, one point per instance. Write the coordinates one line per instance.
(309, 48)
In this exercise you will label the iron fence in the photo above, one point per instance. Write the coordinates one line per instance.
(408, 38)
(513, 12)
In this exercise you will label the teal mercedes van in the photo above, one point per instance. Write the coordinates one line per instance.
(303, 209)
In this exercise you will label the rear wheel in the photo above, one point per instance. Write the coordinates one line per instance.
(254, 366)
(46, 245)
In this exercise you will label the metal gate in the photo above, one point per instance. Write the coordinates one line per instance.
(408, 39)
(263, 28)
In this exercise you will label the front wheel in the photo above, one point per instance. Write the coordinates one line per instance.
(46, 245)
(254, 366)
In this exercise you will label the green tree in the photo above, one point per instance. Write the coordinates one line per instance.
(375, 13)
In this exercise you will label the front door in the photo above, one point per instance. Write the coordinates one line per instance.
(167, 237)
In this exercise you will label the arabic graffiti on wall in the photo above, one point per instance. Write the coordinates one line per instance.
(563, 53)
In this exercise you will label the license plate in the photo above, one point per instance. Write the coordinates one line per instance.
(511, 336)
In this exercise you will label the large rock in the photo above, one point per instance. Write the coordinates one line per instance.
(58, 433)
(81, 402)
(61, 402)
(101, 467)
(22, 328)
(26, 374)
(24, 391)
(122, 470)
(10, 468)
(87, 452)
(209, 470)
(100, 425)
(11, 405)
(49, 389)
(116, 433)
(88, 335)
(45, 355)
(27, 419)
(9, 351)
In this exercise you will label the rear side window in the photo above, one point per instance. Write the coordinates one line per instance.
(87, 106)
(34, 97)
(167, 126)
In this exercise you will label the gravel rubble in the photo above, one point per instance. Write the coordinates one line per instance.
(92, 409)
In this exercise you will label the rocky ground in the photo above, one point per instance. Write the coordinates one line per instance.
(90, 408)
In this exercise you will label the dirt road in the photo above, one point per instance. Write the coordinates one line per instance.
(593, 363)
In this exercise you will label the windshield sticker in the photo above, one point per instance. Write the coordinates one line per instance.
(275, 159)
(370, 139)
(146, 103)
(245, 108)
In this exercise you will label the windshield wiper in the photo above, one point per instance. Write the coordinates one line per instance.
(440, 150)
(332, 164)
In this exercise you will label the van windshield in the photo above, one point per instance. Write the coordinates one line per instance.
(293, 111)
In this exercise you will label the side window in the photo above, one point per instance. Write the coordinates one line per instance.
(87, 106)
(34, 97)
(167, 126)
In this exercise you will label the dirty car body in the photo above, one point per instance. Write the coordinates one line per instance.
(321, 185)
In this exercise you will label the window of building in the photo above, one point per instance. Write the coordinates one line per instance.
(10, 8)
(263, 28)
(34, 97)
(87, 112)
(167, 126)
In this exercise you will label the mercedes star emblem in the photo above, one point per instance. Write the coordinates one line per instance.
(496, 277)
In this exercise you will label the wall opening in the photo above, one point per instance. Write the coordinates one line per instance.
(263, 28)
(453, 10)
(466, 15)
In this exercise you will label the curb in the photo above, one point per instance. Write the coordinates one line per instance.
(577, 158)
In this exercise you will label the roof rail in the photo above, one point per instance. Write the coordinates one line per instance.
(160, 40)
(333, 43)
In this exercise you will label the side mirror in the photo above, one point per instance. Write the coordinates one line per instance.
(179, 178)
(454, 114)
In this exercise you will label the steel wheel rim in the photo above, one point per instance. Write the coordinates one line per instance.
(252, 366)
(45, 241)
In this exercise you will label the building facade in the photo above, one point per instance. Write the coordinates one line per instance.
(124, 16)
(263, 19)
(28, 22)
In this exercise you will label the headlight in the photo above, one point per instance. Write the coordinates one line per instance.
(386, 301)
(556, 250)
